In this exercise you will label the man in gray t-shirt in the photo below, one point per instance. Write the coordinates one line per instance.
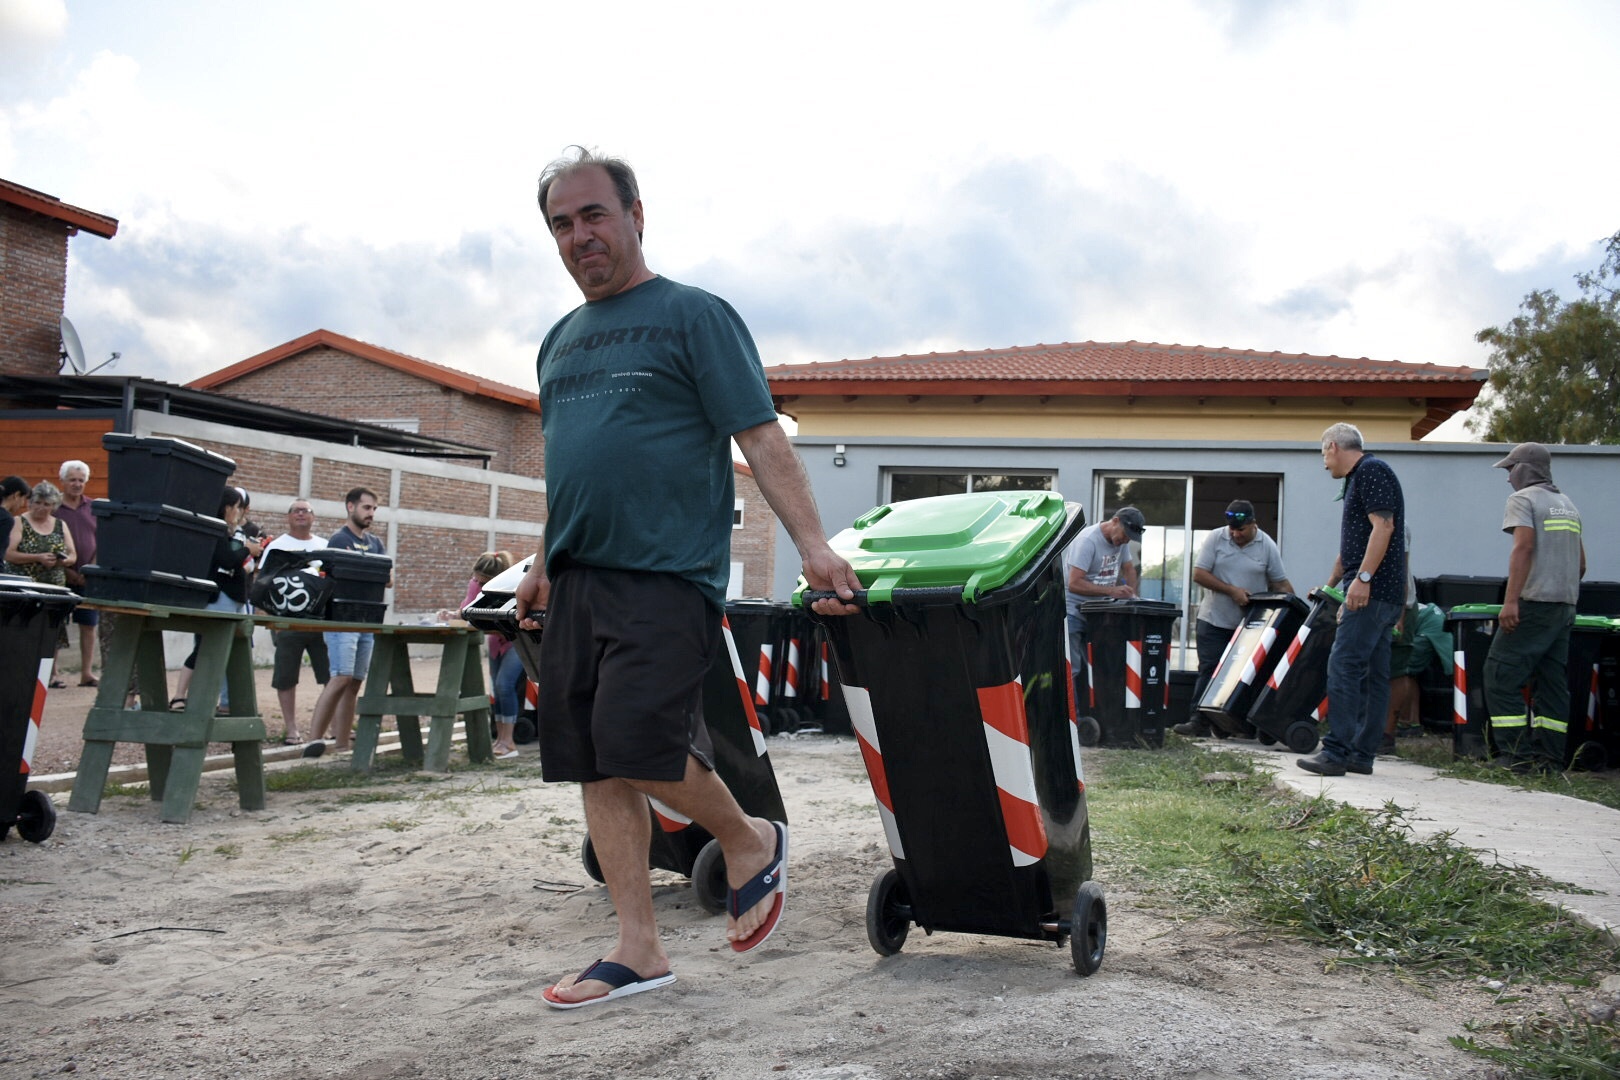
(1097, 566)
(1232, 563)
(1531, 645)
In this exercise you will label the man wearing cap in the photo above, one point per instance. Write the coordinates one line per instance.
(1097, 564)
(1232, 563)
(1371, 569)
(1531, 646)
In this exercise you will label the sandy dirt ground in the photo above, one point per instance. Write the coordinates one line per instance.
(406, 931)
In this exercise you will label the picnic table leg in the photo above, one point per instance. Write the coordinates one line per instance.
(180, 789)
(480, 746)
(403, 683)
(386, 658)
(96, 757)
(176, 770)
(249, 757)
(247, 754)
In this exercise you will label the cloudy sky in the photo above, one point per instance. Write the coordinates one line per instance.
(862, 178)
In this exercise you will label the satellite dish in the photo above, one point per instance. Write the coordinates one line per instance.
(72, 350)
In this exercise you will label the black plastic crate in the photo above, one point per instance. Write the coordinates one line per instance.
(1450, 590)
(356, 575)
(356, 611)
(156, 587)
(166, 472)
(143, 537)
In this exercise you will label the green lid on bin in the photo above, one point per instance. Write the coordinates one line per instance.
(1600, 623)
(1474, 611)
(977, 541)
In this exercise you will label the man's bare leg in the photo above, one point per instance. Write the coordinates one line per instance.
(289, 712)
(620, 826)
(326, 705)
(343, 714)
(749, 843)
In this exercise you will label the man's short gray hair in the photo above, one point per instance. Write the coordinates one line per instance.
(577, 158)
(1344, 436)
(69, 466)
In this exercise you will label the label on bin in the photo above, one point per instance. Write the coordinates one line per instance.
(976, 541)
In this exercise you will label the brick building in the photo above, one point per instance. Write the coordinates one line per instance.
(340, 376)
(34, 233)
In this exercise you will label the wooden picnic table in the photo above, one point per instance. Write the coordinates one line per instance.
(176, 741)
(389, 690)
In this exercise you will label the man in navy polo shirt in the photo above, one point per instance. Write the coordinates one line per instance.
(1371, 569)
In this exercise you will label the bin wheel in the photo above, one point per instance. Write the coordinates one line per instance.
(36, 818)
(1090, 730)
(888, 913)
(1301, 737)
(785, 719)
(587, 855)
(1088, 933)
(1590, 756)
(709, 877)
(1265, 738)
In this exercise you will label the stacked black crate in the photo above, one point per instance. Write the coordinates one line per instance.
(156, 531)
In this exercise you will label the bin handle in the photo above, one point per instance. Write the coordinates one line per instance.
(868, 597)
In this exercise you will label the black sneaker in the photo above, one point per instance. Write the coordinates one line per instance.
(1387, 747)
(1194, 729)
(1323, 764)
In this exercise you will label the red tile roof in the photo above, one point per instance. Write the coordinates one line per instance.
(57, 210)
(1133, 367)
(423, 369)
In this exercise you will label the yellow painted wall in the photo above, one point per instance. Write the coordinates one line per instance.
(1256, 420)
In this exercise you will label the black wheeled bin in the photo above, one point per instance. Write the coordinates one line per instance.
(1585, 744)
(163, 471)
(1447, 591)
(1472, 627)
(1268, 626)
(1608, 708)
(956, 678)
(754, 626)
(678, 844)
(1127, 672)
(31, 616)
(1293, 701)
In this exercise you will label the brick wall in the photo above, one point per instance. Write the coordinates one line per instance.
(336, 383)
(334, 479)
(432, 565)
(444, 495)
(257, 469)
(33, 285)
(754, 545)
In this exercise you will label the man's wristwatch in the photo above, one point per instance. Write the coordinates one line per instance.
(1363, 577)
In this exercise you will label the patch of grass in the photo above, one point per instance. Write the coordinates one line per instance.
(1200, 827)
(228, 851)
(1602, 788)
(352, 798)
(1571, 1046)
(399, 824)
(306, 833)
(115, 790)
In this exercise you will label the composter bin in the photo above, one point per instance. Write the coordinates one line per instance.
(1127, 692)
(31, 616)
(1293, 701)
(163, 471)
(956, 679)
(1268, 626)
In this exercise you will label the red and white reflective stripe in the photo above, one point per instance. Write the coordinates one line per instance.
(1252, 668)
(1006, 734)
(1133, 674)
(36, 714)
(1091, 677)
(859, 701)
(826, 686)
(762, 685)
(1280, 672)
(1074, 748)
(531, 694)
(668, 819)
(1320, 711)
(742, 688)
(790, 676)
(1459, 688)
(1068, 681)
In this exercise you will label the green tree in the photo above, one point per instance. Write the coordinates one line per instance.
(1555, 368)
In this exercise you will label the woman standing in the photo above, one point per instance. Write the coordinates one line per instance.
(41, 547)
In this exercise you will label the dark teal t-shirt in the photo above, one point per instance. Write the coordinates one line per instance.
(640, 394)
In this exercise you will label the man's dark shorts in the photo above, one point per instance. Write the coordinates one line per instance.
(621, 676)
(290, 648)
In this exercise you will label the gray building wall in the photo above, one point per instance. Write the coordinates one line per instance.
(1453, 496)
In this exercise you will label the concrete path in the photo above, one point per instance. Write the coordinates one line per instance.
(1569, 840)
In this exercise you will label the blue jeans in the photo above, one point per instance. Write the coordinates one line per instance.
(507, 682)
(349, 653)
(1358, 682)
